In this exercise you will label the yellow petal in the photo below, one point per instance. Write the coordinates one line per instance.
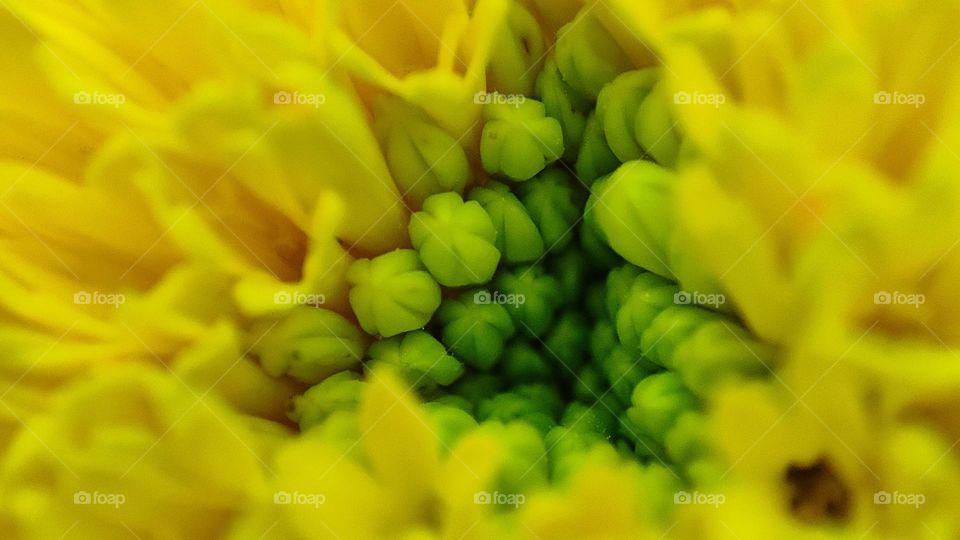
(400, 444)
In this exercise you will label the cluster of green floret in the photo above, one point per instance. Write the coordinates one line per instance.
(516, 310)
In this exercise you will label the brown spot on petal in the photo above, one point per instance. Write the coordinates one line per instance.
(817, 493)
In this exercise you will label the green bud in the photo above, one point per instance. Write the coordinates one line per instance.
(658, 400)
(617, 109)
(644, 446)
(308, 344)
(648, 296)
(705, 348)
(518, 238)
(624, 370)
(686, 440)
(568, 340)
(342, 431)
(475, 331)
(587, 55)
(423, 158)
(522, 363)
(519, 140)
(619, 282)
(449, 423)
(672, 326)
(340, 392)
(641, 444)
(656, 129)
(664, 482)
(477, 387)
(591, 418)
(454, 400)
(634, 208)
(599, 255)
(595, 158)
(535, 404)
(524, 467)
(538, 292)
(564, 104)
(392, 293)
(596, 301)
(567, 448)
(518, 50)
(589, 384)
(418, 357)
(570, 268)
(510, 407)
(603, 339)
(552, 202)
(545, 396)
(456, 240)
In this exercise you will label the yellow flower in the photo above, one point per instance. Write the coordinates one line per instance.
(445, 68)
(604, 498)
(186, 165)
(173, 173)
(184, 186)
(401, 486)
(134, 450)
(792, 112)
(404, 482)
(174, 180)
(818, 464)
(817, 187)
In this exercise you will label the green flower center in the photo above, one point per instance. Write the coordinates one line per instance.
(561, 319)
